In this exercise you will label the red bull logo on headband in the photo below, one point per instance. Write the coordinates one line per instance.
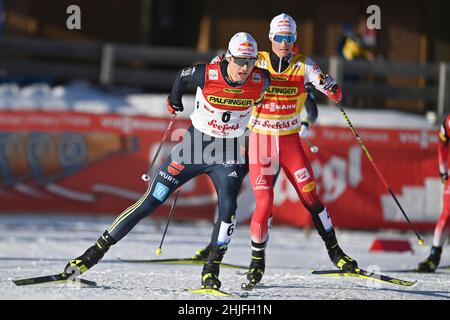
(284, 23)
(246, 47)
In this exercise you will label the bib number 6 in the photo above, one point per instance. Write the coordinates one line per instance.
(226, 117)
(230, 230)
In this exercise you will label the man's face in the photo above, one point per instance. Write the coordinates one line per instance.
(282, 44)
(240, 68)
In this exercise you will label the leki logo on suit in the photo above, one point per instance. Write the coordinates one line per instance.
(260, 180)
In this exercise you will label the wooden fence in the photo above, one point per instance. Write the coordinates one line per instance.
(154, 68)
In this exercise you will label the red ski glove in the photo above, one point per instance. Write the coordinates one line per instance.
(335, 94)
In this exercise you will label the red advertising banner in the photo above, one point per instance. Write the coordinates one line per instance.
(83, 163)
(351, 189)
(69, 162)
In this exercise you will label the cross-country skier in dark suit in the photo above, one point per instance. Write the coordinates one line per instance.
(226, 94)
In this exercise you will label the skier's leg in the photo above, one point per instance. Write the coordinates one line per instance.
(263, 156)
(227, 182)
(299, 172)
(441, 232)
(170, 176)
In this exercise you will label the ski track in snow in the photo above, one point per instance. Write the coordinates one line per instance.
(32, 245)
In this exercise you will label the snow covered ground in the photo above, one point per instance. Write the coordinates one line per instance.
(33, 245)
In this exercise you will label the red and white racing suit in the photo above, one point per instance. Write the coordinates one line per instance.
(442, 228)
(274, 140)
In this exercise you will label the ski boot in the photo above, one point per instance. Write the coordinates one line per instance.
(431, 263)
(341, 260)
(257, 267)
(202, 254)
(90, 258)
(210, 273)
(337, 256)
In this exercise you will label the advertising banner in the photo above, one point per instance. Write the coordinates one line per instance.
(84, 163)
(67, 162)
(353, 192)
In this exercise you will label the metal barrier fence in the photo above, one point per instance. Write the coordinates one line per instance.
(155, 68)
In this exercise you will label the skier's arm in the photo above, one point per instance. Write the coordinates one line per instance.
(190, 75)
(311, 112)
(310, 106)
(443, 151)
(322, 82)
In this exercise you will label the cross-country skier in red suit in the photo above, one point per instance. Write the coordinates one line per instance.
(275, 141)
(442, 229)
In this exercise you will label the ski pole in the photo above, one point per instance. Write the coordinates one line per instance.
(158, 250)
(312, 147)
(146, 176)
(380, 175)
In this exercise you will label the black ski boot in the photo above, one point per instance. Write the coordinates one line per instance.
(202, 254)
(341, 260)
(337, 256)
(431, 263)
(90, 258)
(257, 267)
(211, 269)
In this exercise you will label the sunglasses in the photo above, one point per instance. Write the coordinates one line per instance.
(284, 37)
(250, 62)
